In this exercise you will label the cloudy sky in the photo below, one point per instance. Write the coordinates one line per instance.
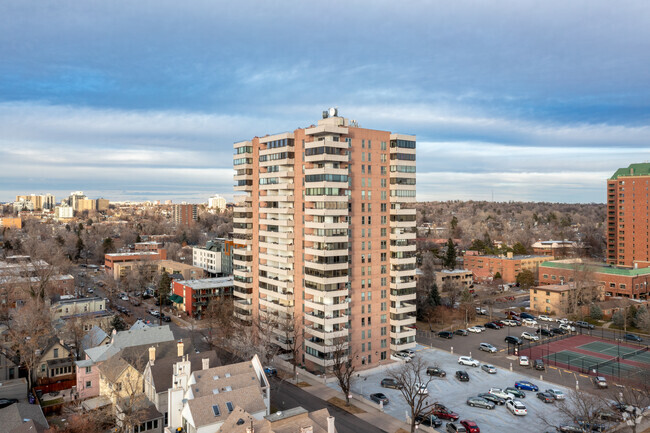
(511, 100)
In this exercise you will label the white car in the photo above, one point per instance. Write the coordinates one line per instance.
(409, 352)
(544, 318)
(516, 407)
(562, 321)
(125, 298)
(468, 360)
(529, 336)
(480, 327)
(422, 388)
(90, 290)
(567, 327)
(474, 329)
(529, 322)
(523, 360)
(403, 356)
(509, 322)
(501, 393)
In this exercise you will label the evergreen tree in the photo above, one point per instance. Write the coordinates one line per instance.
(164, 287)
(118, 324)
(497, 276)
(434, 296)
(595, 312)
(138, 239)
(79, 247)
(618, 319)
(526, 279)
(449, 260)
(519, 249)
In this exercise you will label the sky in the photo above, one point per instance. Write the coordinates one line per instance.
(511, 100)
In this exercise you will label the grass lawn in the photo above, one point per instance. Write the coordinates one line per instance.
(341, 404)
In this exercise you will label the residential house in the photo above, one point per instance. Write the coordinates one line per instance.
(201, 401)
(23, 418)
(55, 362)
(296, 420)
(158, 375)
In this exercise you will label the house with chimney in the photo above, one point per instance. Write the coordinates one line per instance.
(296, 420)
(201, 401)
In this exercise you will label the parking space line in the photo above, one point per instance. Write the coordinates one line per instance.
(583, 375)
(567, 371)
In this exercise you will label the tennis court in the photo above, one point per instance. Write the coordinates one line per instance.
(614, 350)
(587, 363)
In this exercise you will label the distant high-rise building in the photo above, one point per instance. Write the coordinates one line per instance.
(628, 230)
(217, 202)
(329, 243)
(74, 198)
(39, 201)
(102, 204)
(184, 214)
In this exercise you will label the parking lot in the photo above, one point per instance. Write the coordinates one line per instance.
(453, 394)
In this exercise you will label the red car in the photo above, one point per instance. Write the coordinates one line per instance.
(442, 412)
(470, 426)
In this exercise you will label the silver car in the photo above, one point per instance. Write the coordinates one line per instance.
(480, 402)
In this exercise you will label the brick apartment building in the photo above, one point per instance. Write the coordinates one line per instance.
(184, 214)
(192, 296)
(486, 267)
(628, 227)
(113, 259)
(614, 281)
(328, 238)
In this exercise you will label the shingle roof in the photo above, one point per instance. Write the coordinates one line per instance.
(163, 369)
(249, 399)
(93, 338)
(13, 417)
(112, 369)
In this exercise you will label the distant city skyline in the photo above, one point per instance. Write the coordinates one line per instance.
(520, 100)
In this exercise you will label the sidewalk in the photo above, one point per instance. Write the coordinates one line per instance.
(371, 415)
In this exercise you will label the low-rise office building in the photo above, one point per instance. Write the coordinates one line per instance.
(192, 296)
(457, 278)
(486, 267)
(614, 281)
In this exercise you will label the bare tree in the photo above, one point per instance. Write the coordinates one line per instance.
(218, 322)
(578, 408)
(343, 367)
(292, 335)
(413, 380)
(632, 400)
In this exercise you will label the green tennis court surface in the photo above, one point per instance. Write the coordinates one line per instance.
(576, 359)
(613, 350)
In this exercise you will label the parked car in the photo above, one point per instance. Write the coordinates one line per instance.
(499, 323)
(487, 347)
(513, 340)
(600, 382)
(379, 397)
(422, 388)
(470, 426)
(165, 318)
(509, 322)
(528, 386)
(516, 392)
(633, 337)
(489, 368)
(462, 376)
(408, 352)
(402, 356)
(529, 336)
(493, 398)
(468, 360)
(428, 420)
(480, 327)
(446, 334)
(480, 402)
(559, 331)
(481, 311)
(608, 415)
(270, 371)
(492, 325)
(529, 322)
(538, 364)
(442, 412)
(390, 383)
(566, 428)
(585, 325)
(516, 407)
(474, 329)
(501, 393)
(556, 393)
(545, 397)
(436, 371)
(545, 332)
(527, 316)
(591, 426)
(455, 428)
(523, 360)
(567, 327)
(462, 332)
(544, 318)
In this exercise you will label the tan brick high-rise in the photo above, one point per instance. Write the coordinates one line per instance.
(327, 239)
(628, 231)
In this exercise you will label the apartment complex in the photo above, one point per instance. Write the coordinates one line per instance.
(552, 298)
(216, 257)
(554, 248)
(457, 278)
(628, 226)
(11, 222)
(327, 239)
(193, 296)
(40, 202)
(508, 266)
(613, 280)
(184, 214)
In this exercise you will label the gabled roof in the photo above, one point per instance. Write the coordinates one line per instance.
(202, 408)
(13, 417)
(162, 370)
(93, 338)
(113, 368)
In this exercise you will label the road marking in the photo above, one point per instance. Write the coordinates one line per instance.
(554, 368)
(567, 371)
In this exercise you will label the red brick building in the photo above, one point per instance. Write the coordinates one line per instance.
(628, 231)
(192, 296)
(615, 281)
(486, 267)
(184, 214)
(111, 259)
